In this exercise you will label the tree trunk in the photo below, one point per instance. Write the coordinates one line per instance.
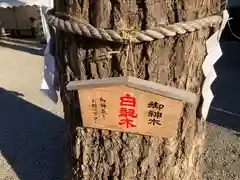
(174, 61)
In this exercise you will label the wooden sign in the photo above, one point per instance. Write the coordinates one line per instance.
(128, 104)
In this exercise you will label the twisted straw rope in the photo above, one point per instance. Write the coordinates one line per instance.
(79, 27)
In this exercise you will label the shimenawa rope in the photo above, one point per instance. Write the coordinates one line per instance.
(77, 26)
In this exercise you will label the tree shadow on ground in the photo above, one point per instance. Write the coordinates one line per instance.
(225, 109)
(31, 138)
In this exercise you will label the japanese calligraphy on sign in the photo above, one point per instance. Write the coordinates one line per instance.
(155, 113)
(103, 107)
(130, 110)
(94, 109)
(98, 109)
(127, 111)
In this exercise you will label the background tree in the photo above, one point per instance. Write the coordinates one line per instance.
(174, 61)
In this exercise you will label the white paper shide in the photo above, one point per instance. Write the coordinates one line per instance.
(214, 54)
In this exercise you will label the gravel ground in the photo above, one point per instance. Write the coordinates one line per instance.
(31, 126)
(222, 155)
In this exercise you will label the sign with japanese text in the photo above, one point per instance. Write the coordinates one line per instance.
(125, 109)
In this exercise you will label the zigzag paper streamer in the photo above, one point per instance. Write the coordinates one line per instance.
(214, 53)
(207, 93)
(211, 59)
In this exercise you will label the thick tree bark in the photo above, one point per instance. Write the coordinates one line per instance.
(176, 62)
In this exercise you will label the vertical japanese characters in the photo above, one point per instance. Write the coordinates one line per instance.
(99, 110)
(103, 107)
(94, 110)
(155, 113)
(127, 112)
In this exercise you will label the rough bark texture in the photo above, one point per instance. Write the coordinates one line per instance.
(176, 61)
